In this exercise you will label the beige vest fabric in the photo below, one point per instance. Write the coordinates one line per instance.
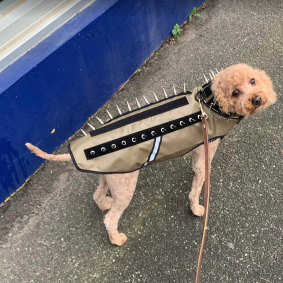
(164, 130)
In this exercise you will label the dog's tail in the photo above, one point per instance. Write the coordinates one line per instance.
(45, 155)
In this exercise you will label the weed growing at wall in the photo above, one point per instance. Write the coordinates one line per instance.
(176, 31)
(194, 13)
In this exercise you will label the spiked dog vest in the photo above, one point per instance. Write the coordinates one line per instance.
(157, 132)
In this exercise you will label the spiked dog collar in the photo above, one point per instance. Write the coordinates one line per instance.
(156, 132)
(207, 98)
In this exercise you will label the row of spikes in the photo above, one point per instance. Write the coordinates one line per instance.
(212, 74)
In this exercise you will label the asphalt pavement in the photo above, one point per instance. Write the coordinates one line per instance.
(51, 231)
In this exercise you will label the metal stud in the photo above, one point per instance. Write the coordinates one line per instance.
(84, 132)
(143, 136)
(92, 152)
(138, 103)
(130, 109)
(206, 80)
(199, 117)
(175, 92)
(163, 130)
(153, 133)
(191, 119)
(113, 146)
(165, 94)
(123, 143)
(134, 139)
(182, 123)
(103, 149)
(91, 126)
(120, 112)
(155, 96)
(109, 114)
(145, 99)
(172, 126)
(101, 122)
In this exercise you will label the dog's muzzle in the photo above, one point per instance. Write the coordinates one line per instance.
(256, 100)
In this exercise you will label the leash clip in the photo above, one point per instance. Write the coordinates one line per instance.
(203, 114)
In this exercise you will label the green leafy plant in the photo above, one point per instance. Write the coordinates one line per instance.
(194, 13)
(176, 31)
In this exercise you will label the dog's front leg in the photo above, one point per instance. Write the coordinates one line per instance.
(198, 162)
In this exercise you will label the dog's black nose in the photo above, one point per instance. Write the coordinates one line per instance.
(256, 100)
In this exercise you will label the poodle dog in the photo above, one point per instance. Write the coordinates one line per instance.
(238, 89)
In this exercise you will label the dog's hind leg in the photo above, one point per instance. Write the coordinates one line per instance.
(103, 202)
(122, 188)
(198, 161)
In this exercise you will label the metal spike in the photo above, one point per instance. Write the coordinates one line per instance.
(155, 96)
(184, 87)
(210, 76)
(84, 132)
(165, 92)
(212, 73)
(130, 109)
(174, 90)
(145, 99)
(138, 103)
(206, 80)
(99, 120)
(109, 114)
(120, 112)
(91, 126)
(216, 70)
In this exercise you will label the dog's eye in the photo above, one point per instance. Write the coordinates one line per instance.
(252, 81)
(235, 92)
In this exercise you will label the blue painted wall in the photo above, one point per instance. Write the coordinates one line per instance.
(67, 77)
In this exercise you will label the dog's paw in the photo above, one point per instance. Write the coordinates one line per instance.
(198, 210)
(119, 239)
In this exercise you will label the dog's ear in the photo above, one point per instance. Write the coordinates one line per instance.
(222, 90)
(267, 87)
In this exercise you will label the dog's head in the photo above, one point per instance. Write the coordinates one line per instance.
(243, 90)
